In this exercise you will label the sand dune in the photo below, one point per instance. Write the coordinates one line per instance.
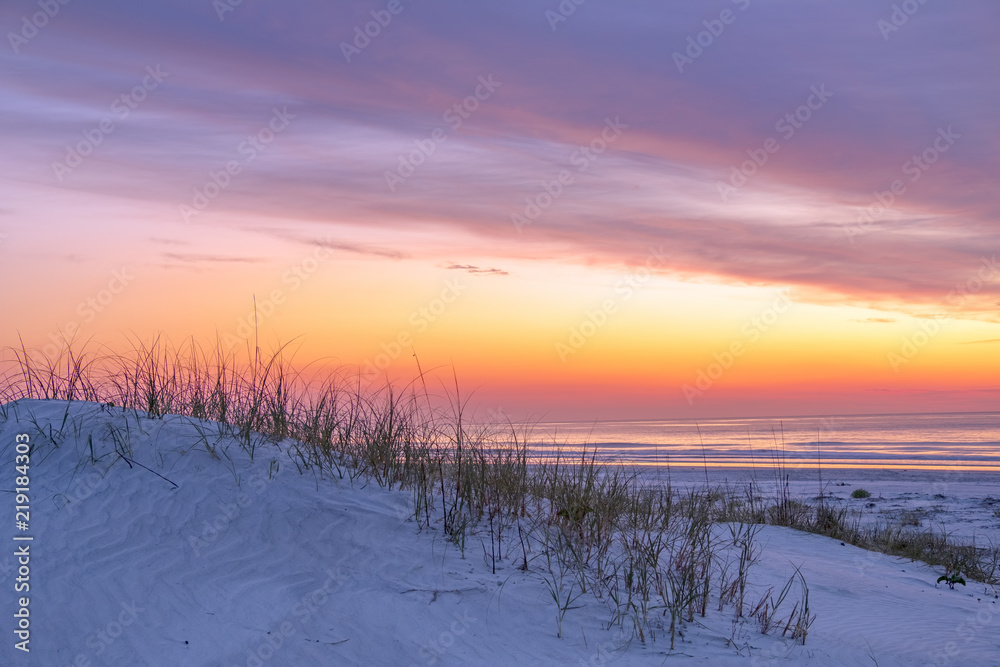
(252, 563)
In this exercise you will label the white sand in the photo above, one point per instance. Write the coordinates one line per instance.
(234, 567)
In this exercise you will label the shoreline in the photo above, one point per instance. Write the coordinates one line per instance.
(331, 558)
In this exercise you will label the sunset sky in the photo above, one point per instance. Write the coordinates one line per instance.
(588, 209)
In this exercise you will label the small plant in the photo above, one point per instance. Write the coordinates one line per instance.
(860, 493)
(555, 582)
(952, 579)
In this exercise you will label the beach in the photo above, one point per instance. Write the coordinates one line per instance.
(499, 333)
(200, 556)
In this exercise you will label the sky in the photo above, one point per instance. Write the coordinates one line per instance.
(583, 209)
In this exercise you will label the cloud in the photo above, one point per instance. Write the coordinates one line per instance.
(197, 258)
(170, 242)
(876, 320)
(362, 249)
(979, 342)
(289, 233)
(656, 184)
(469, 268)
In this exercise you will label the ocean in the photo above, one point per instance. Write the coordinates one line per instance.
(960, 442)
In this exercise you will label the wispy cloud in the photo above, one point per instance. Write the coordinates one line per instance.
(329, 242)
(198, 258)
(469, 268)
(169, 242)
(360, 249)
(656, 185)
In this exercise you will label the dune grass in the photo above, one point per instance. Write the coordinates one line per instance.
(658, 555)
